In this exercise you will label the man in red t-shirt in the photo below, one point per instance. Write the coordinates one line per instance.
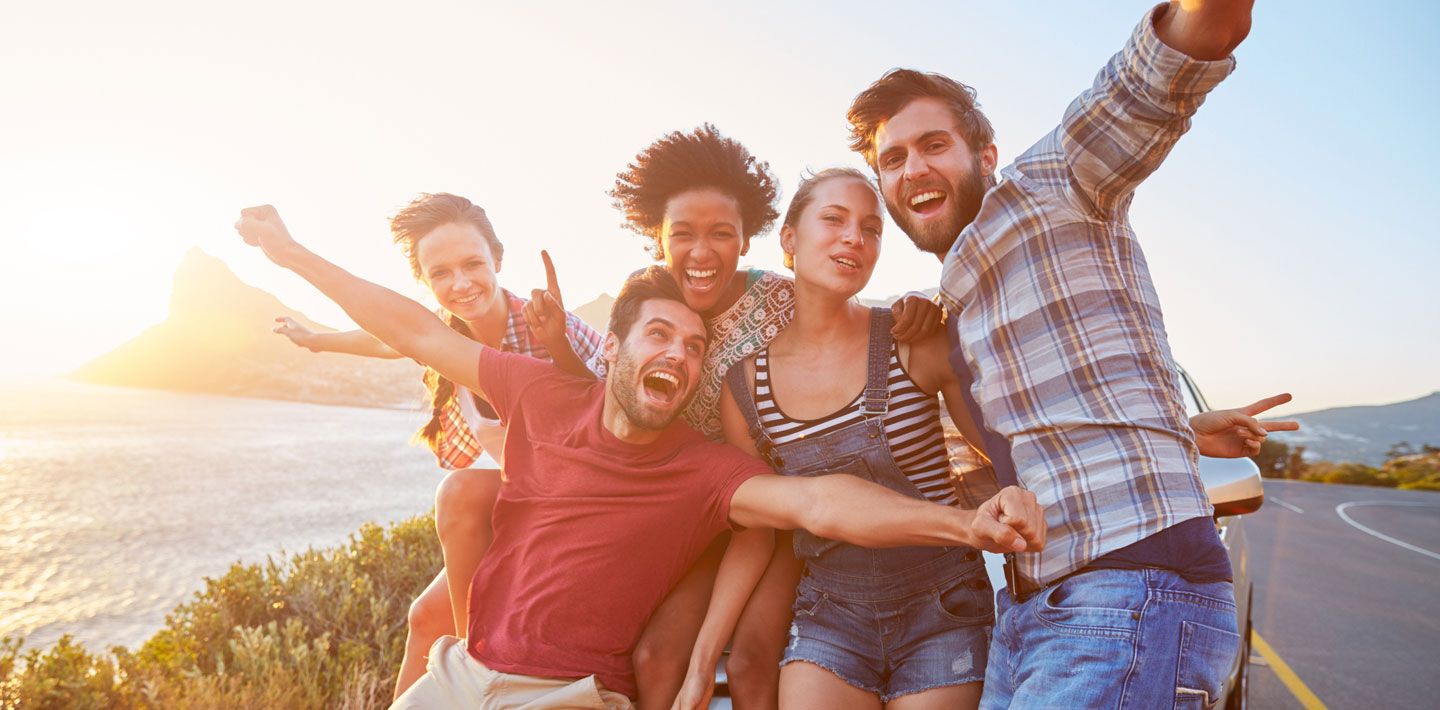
(607, 497)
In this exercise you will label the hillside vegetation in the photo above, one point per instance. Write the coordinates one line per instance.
(322, 629)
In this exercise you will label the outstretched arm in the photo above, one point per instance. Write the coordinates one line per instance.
(1233, 433)
(350, 342)
(1120, 130)
(408, 327)
(847, 508)
(741, 568)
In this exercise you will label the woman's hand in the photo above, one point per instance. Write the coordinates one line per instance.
(545, 313)
(298, 334)
(915, 317)
(262, 227)
(696, 691)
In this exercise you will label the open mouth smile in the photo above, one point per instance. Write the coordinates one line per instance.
(928, 202)
(700, 279)
(662, 386)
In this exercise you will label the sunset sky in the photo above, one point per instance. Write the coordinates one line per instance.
(1288, 232)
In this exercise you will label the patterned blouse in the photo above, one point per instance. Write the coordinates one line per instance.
(743, 329)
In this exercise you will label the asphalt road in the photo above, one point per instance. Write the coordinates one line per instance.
(1356, 617)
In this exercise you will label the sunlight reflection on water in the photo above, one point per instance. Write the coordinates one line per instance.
(118, 502)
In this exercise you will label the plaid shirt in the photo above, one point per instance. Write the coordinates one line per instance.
(1059, 323)
(456, 446)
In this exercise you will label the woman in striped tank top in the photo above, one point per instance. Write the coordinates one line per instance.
(834, 393)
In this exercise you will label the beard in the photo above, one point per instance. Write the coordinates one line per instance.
(963, 204)
(625, 384)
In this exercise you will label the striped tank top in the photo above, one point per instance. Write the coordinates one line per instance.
(912, 426)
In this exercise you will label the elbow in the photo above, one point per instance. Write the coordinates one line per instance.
(813, 510)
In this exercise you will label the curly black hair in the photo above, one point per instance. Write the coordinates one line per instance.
(685, 161)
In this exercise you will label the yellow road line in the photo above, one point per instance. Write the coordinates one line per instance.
(1287, 676)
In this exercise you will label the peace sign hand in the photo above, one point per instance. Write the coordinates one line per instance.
(1233, 433)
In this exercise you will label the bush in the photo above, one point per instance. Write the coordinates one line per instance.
(323, 629)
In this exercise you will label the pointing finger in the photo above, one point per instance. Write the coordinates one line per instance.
(552, 284)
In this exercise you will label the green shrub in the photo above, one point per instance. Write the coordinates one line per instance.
(323, 629)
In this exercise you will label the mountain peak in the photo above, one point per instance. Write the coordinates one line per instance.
(217, 339)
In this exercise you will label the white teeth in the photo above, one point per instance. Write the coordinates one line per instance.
(847, 262)
(667, 377)
(932, 195)
(698, 274)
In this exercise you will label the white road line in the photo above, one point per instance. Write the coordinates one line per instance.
(1340, 510)
(1283, 504)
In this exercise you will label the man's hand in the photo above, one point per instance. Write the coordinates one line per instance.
(545, 313)
(1204, 29)
(298, 334)
(1233, 433)
(915, 317)
(695, 693)
(1011, 521)
(261, 227)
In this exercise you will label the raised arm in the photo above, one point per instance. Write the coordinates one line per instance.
(408, 327)
(1119, 131)
(350, 342)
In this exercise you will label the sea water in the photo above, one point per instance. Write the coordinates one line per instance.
(115, 503)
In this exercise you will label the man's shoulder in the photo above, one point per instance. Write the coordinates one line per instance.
(701, 452)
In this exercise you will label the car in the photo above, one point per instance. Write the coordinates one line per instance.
(1235, 489)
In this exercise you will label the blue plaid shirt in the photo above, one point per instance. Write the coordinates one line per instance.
(1058, 321)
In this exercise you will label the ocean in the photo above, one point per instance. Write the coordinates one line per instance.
(116, 503)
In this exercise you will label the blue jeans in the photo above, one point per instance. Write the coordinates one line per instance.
(1112, 638)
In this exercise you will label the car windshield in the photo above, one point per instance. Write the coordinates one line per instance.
(1193, 403)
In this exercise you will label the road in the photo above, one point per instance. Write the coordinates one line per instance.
(1355, 616)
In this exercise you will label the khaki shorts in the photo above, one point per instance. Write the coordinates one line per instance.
(454, 679)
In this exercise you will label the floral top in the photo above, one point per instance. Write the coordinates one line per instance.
(744, 328)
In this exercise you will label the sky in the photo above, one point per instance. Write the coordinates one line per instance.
(1288, 233)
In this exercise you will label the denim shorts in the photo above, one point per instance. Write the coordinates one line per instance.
(895, 641)
(1115, 638)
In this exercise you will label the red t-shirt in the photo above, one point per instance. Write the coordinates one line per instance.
(590, 532)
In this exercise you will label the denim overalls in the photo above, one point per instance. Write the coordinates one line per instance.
(891, 621)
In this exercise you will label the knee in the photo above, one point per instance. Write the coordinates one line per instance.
(660, 656)
(430, 617)
(752, 667)
(465, 498)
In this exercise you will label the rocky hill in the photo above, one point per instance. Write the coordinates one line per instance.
(1363, 434)
(217, 339)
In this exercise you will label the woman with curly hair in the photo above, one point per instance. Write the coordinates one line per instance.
(699, 197)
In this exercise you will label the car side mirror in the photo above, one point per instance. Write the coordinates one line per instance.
(1234, 485)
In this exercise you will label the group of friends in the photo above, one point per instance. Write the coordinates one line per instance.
(757, 461)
